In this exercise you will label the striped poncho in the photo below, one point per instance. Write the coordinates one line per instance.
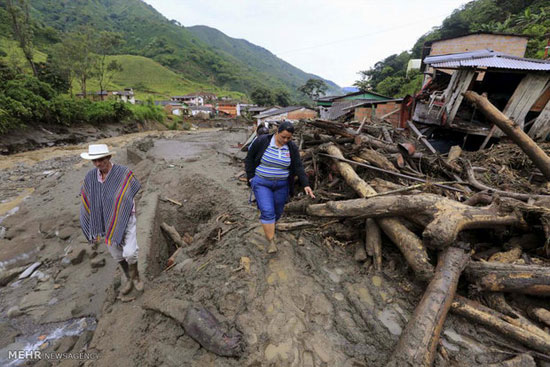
(106, 207)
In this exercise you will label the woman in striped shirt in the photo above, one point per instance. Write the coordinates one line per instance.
(271, 164)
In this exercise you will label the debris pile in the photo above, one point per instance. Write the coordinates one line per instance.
(483, 214)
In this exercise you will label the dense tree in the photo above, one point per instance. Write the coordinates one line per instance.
(58, 78)
(282, 98)
(22, 28)
(262, 97)
(314, 88)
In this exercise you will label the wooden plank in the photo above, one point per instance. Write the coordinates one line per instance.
(451, 92)
(525, 96)
(461, 88)
(541, 127)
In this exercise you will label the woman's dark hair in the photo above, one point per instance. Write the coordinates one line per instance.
(262, 130)
(288, 126)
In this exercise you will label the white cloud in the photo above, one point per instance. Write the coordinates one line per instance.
(333, 39)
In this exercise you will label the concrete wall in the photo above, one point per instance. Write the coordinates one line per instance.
(511, 45)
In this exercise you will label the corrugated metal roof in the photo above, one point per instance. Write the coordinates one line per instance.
(486, 59)
(278, 111)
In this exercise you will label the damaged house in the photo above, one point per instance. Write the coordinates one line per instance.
(517, 86)
(356, 105)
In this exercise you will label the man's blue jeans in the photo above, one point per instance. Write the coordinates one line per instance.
(271, 197)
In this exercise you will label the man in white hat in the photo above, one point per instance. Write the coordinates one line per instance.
(107, 211)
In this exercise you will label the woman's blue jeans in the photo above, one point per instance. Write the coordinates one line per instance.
(271, 197)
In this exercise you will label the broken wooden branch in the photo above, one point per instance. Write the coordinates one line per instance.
(513, 131)
(292, 226)
(418, 342)
(171, 201)
(499, 277)
(480, 186)
(373, 243)
(496, 321)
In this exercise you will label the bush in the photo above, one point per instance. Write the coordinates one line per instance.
(107, 111)
(147, 112)
(186, 125)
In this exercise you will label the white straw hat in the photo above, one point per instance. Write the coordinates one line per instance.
(96, 151)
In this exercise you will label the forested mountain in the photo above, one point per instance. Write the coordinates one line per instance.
(148, 33)
(527, 17)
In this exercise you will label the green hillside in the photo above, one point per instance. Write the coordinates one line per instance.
(148, 77)
(526, 17)
(257, 57)
(147, 33)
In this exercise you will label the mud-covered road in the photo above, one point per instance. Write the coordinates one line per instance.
(310, 304)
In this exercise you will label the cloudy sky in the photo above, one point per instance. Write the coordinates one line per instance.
(331, 38)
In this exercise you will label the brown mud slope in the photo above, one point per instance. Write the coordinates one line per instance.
(310, 304)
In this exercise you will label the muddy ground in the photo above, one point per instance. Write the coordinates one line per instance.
(310, 304)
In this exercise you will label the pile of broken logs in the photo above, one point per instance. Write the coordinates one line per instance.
(396, 183)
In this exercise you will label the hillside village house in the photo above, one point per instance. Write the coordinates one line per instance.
(517, 86)
(292, 113)
(201, 111)
(189, 99)
(127, 95)
(228, 108)
(509, 44)
(336, 107)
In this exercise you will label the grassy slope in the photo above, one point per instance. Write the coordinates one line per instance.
(149, 78)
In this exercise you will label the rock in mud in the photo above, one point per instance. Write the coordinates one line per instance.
(7, 276)
(203, 327)
(14, 311)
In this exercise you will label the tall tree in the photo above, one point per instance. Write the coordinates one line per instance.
(106, 44)
(313, 88)
(262, 96)
(74, 54)
(282, 98)
(20, 19)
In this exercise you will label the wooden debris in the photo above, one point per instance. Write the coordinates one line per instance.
(496, 321)
(171, 201)
(513, 131)
(409, 244)
(418, 342)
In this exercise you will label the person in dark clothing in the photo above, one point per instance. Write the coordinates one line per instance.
(271, 164)
(261, 130)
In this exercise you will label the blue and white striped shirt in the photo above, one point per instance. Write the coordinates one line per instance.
(275, 162)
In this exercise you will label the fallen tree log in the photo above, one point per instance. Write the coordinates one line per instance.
(379, 160)
(513, 131)
(496, 321)
(448, 216)
(418, 343)
(499, 277)
(409, 244)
